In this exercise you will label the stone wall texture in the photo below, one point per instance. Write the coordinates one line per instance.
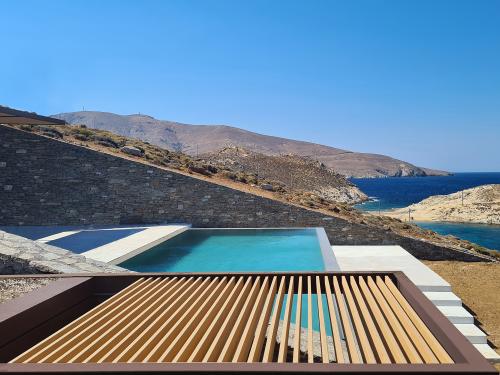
(49, 182)
(19, 255)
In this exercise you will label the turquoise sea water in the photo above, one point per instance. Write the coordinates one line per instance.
(482, 234)
(389, 193)
(233, 250)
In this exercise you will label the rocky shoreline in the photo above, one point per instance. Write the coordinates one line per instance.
(480, 205)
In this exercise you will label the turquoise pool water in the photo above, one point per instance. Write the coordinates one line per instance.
(233, 250)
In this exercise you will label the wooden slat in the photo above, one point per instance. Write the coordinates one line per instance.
(399, 332)
(298, 323)
(36, 352)
(273, 328)
(285, 329)
(247, 337)
(177, 298)
(433, 343)
(155, 354)
(197, 333)
(339, 354)
(211, 332)
(415, 337)
(195, 315)
(93, 341)
(322, 327)
(66, 348)
(166, 304)
(98, 349)
(310, 349)
(219, 340)
(378, 345)
(344, 316)
(389, 340)
(358, 325)
(232, 341)
(260, 333)
(142, 347)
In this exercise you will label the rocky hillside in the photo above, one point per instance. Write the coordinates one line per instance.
(480, 205)
(199, 139)
(313, 184)
(144, 152)
(294, 172)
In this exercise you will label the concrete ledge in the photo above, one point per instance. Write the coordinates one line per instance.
(456, 314)
(119, 251)
(488, 352)
(473, 333)
(443, 298)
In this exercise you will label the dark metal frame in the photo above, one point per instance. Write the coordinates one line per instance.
(30, 318)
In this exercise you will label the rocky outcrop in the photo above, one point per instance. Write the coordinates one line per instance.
(292, 172)
(477, 205)
(131, 150)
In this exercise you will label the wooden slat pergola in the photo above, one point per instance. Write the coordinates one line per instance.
(259, 320)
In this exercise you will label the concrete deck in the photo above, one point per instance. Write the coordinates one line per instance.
(130, 246)
(389, 258)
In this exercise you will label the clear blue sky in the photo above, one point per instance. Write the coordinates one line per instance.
(417, 80)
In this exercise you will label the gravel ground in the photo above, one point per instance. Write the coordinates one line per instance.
(12, 288)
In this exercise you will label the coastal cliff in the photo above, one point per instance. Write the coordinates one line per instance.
(477, 205)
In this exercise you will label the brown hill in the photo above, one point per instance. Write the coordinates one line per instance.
(199, 139)
(295, 172)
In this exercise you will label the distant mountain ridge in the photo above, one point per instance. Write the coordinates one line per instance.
(200, 139)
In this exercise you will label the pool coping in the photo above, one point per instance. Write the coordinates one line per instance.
(118, 251)
(329, 260)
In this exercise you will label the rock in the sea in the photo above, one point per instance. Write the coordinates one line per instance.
(131, 150)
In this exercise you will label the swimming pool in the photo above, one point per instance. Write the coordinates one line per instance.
(234, 250)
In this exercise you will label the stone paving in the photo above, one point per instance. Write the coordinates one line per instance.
(19, 255)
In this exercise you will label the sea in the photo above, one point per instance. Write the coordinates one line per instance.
(397, 192)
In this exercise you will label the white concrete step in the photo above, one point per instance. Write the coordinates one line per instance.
(457, 314)
(443, 298)
(488, 352)
(389, 258)
(472, 333)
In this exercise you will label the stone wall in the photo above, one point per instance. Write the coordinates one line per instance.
(19, 255)
(49, 182)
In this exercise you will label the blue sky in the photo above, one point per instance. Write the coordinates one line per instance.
(417, 80)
